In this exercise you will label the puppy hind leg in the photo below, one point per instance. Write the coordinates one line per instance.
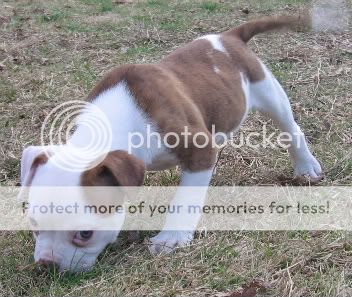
(268, 97)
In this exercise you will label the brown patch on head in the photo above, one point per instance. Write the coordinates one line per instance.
(118, 169)
(41, 159)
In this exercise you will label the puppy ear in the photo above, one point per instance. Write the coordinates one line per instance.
(32, 157)
(117, 169)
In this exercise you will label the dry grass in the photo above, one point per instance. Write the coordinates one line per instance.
(52, 51)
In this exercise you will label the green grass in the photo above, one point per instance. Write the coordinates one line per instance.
(76, 27)
(52, 51)
(156, 3)
(142, 50)
(84, 74)
(175, 24)
(273, 5)
(8, 92)
(209, 6)
(52, 17)
(282, 70)
(106, 6)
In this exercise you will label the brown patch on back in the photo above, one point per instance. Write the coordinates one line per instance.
(243, 57)
(109, 80)
(218, 96)
(161, 95)
(183, 90)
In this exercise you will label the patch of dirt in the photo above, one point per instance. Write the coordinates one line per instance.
(249, 290)
(25, 43)
(106, 18)
(4, 20)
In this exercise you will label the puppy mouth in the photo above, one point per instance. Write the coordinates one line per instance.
(50, 266)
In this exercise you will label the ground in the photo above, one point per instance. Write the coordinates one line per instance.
(54, 51)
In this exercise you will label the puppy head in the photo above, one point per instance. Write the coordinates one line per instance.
(75, 250)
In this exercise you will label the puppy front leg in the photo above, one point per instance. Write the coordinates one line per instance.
(180, 227)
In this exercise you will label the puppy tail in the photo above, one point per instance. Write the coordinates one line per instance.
(247, 30)
(324, 15)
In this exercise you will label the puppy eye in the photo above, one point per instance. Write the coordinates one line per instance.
(85, 235)
(81, 237)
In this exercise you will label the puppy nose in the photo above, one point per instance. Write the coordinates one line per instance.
(48, 263)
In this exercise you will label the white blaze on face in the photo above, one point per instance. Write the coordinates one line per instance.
(55, 242)
(57, 246)
(330, 15)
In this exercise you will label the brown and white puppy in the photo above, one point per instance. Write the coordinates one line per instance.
(207, 85)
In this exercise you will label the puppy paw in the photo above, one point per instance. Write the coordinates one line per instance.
(308, 169)
(167, 241)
